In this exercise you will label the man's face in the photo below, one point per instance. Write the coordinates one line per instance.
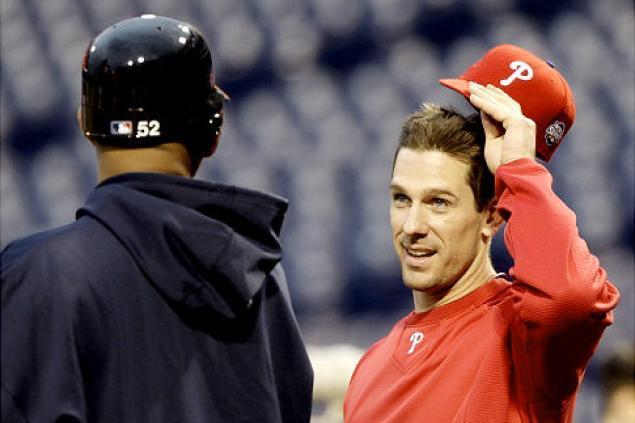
(436, 230)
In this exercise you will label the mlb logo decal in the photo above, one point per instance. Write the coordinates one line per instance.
(121, 127)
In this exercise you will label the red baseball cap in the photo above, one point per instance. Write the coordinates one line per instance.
(542, 92)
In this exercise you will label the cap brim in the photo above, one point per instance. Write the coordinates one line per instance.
(459, 85)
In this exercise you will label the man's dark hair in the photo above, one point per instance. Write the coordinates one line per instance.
(435, 128)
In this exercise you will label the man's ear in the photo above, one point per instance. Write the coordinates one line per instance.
(493, 220)
(197, 158)
(213, 146)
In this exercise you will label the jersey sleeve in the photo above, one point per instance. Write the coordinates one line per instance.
(41, 378)
(562, 299)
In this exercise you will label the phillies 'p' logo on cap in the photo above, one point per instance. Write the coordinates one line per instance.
(542, 92)
(522, 71)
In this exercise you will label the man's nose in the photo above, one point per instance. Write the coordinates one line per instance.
(417, 221)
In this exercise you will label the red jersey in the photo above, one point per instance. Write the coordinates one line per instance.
(509, 351)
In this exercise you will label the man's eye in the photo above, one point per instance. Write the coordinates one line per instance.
(400, 198)
(439, 203)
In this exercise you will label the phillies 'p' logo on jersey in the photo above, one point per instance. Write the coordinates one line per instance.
(522, 71)
(415, 339)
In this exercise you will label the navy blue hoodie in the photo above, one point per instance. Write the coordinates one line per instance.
(165, 301)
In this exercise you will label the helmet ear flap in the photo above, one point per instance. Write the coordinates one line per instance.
(204, 135)
(216, 100)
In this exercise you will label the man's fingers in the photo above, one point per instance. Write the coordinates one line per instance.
(490, 106)
(495, 94)
(492, 128)
(495, 103)
(492, 91)
(509, 135)
(503, 97)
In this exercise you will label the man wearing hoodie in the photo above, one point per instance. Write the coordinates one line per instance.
(165, 300)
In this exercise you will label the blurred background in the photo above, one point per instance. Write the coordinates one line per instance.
(319, 89)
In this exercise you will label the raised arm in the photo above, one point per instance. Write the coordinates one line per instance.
(563, 300)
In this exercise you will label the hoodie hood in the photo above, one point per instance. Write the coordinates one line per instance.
(207, 248)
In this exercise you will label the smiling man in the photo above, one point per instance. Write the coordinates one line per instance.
(441, 238)
(481, 346)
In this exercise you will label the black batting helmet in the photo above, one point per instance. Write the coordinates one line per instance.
(147, 81)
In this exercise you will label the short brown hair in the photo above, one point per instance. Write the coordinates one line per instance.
(448, 131)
